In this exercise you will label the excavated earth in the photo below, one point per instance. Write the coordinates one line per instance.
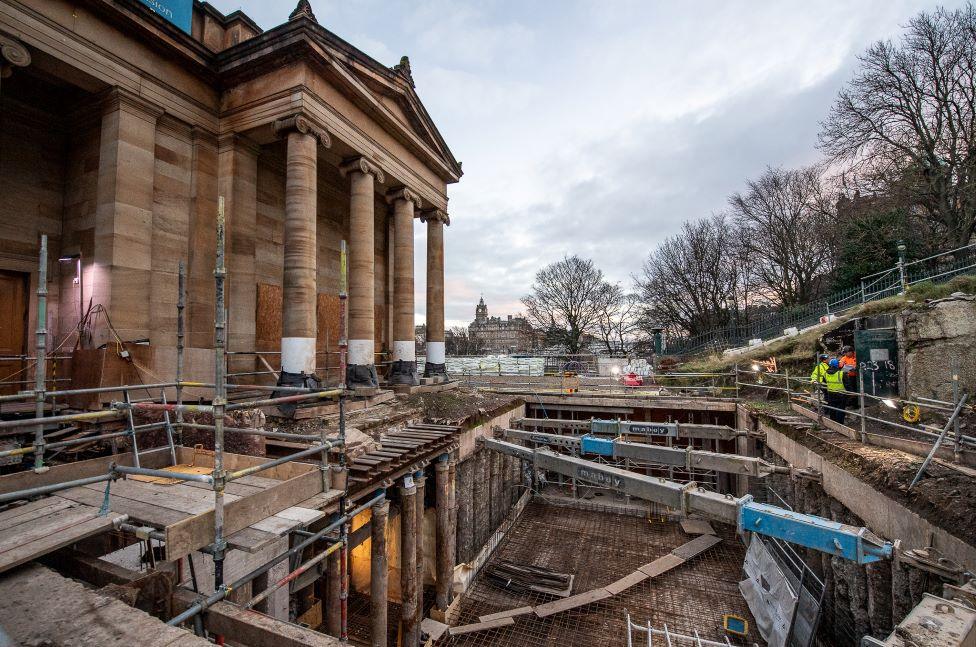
(945, 496)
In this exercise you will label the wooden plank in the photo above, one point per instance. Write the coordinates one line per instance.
(234, 488)
(661, 565)
(70, 531)
(695, 546)
(33, 510)
(37, 528)
(480, 626)
(153, 458)
(198, 531)
(626, 582)
(251, 539)
(321, 500)
(571, 602)
(171, 497)
(511, 613)
(138, 512)
(697, 527)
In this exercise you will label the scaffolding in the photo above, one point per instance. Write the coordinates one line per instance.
(126, 407)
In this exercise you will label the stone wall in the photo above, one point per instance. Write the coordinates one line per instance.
(930, 340)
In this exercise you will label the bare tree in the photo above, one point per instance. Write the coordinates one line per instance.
(907, 121)
(459, 342)
(619, 325)
(785, 224)
(691, 282)
(566, 301)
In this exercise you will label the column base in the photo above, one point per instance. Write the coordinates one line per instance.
(361, 376)
(435, 370)
(302, 380)
(404, 372)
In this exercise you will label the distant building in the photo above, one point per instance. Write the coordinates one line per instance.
(497, 335)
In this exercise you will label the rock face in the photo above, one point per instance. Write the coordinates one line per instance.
(934, 338)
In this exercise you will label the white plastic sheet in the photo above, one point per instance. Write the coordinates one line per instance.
(768, 593)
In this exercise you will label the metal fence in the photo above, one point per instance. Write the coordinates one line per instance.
(938, 268)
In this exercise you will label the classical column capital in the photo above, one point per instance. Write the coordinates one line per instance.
(361, 165)
(13, 52)
(434, 215)
(403, 193)
(230, 141)
(302, 124)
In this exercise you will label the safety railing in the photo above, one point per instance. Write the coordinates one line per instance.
(937, 268)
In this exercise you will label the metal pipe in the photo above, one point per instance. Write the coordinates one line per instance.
(26, 395)
(223, 591)
(219, 401)
(233, 476)
(935, 446)
(180, 343)
(20, 451)
(332, 393)
(263, 595)
(169, 429)
(88, 416)
(41, 365)
(255, 432)
(132, 428)
(54, 487)
(166, 474)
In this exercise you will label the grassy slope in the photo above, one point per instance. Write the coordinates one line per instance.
(797, 353)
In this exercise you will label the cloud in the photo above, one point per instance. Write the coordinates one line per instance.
(597, 128)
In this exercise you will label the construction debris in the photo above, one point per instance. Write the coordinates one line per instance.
(523, 577)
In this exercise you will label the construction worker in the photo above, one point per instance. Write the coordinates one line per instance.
(836, 398)
(817, 377)
(848, 365)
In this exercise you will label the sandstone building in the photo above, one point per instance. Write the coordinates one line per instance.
(119, 132)
(497, 335)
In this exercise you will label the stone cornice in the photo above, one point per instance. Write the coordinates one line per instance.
(173, 126)
(13, 52)
(362, 165)
(301, 123)
(232, 141)
(403, 193)
(434, 215)
(119, 98)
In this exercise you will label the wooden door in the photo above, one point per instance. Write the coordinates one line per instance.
(13, 329)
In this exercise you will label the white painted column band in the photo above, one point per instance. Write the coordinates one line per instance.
(435, 352)
(360, 352)
(404, 351)
(298, 355)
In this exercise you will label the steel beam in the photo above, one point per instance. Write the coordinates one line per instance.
(658, 454)
(626, 427)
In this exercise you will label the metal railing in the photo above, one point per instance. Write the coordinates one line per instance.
(937, 268)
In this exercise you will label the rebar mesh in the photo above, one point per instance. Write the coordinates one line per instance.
(599, 548)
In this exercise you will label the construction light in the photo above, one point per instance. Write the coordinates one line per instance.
(756, 368)
(888, 402)
(615, 371)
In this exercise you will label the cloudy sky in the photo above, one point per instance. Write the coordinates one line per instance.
(597, 127)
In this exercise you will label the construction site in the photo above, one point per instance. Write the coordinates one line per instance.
(215, 427)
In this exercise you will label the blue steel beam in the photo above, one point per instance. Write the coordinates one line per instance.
(850, 542)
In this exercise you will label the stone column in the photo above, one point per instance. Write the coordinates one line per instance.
(378, 574)
(299, 286)
(333, 609)
(443, 470)
(237, 164)
(408, 562)
(435, 366)
(361, 371)
(404, 369)
(421, 481)
(123, 215)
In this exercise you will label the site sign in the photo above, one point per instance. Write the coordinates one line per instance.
(178, 12)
